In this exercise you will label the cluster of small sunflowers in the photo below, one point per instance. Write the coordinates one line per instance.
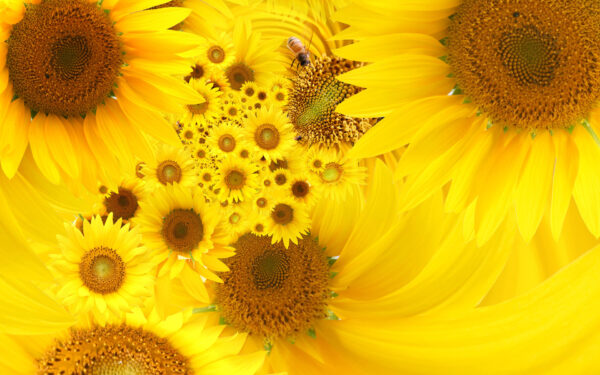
(179, 198)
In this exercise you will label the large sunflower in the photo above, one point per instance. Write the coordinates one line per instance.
(136, 344)
(499, 97)
(88, 79)
(367, 265)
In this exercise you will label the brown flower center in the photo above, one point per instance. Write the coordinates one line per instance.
(123, 204)
(271, 291)
(282, 214)
(537, 65)
(102, 270)
(238, 74)
(168, 172)
(266, 136)
(112, 350)
(63, 57)
(182, 230)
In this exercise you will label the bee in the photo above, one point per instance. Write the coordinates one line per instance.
(299, 50)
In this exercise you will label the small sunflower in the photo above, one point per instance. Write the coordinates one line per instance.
(217, 51)
(249, 90)
(123, 202)
(170, 165)
(208, 109)
(182, 231)
(304, 189)
(337, 176)
(188, 133)
(256, 59)
(237, 179)
(238, 218)
(288, 221)
(103, 269)
(270, 132)
(225, 139)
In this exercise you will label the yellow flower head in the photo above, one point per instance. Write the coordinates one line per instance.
(88, 79)
(270, 133)
(182, 230)
(103, 269)
(237, 179)
(171, 165)
(225, 139)
(208, 109)
(288, 221)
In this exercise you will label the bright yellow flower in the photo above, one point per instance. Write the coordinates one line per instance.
(270, 132)
(237, 179)
(170, 165)
(88, 79)
(497, 108)
(184, 232)
(102, 269)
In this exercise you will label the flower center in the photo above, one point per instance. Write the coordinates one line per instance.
(300, 189)
(196, 73)
(235, 180)
(182, 230)
(266, 136)
(271, 291)
(102, 270)
(282, 214)
(332, 172)
(63, 57)
(314, 98)
(226, 143)
(168, 172)
(216, 54)
(238, 74)
(535, 66)
(198, 109)
(123, 204)
(113, 350)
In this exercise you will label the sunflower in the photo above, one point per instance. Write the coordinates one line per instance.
(123, 202)
(304, 189)
(238, 218)
(189, 132)
(208, 108)
(225, 139)
(362, 270)
(255, 57)
(519, 128)
(103, 269)
(184, 232)
(237, 179)
(88, 79)
(270, 132)
(170, 165)
(288, 221)
(135, 344)
(336, 175)
(217, 51)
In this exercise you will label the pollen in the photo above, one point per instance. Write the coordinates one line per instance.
(168, 172)
(238, 74)
(274, 292)
(536, 66)
(123, 204)
(112, 350)
(313, 100)
(63, 57)
(182, 230)
(102, 270)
